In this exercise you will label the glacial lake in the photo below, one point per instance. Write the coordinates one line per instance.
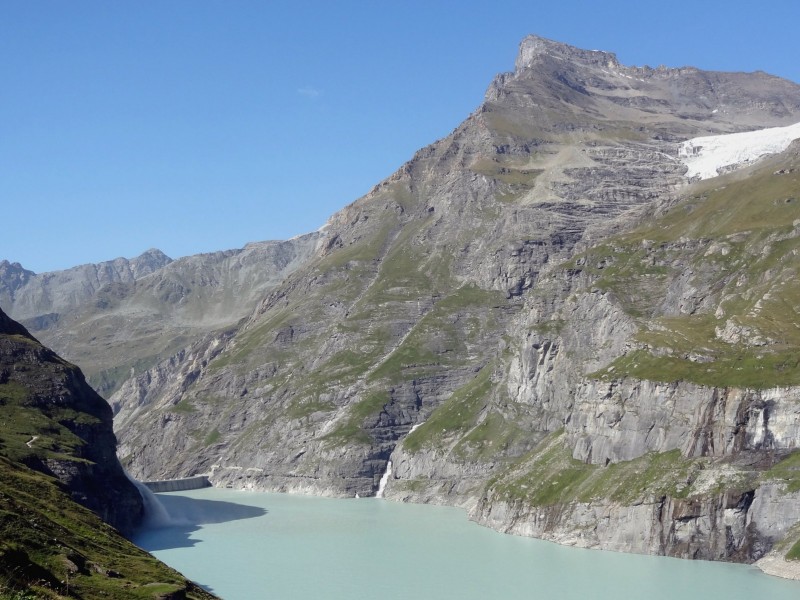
(251, 545)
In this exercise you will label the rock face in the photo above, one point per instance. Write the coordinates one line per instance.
(538, 318)
(54, 422)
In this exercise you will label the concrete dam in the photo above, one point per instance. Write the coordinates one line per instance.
(178, 485)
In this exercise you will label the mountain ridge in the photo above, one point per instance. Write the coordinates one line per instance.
(92, 313)
(480, 319)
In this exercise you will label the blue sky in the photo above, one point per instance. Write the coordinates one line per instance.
(194, 126)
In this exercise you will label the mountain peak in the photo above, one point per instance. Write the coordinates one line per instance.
(533, 47)
(154, 256)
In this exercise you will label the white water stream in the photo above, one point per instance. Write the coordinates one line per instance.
(384, 480)
(388, 473)
(155, 514)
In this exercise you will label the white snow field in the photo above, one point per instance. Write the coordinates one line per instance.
(705, 156)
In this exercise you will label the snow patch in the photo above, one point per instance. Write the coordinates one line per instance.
(708, 156)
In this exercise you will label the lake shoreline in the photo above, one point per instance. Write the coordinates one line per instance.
(776, 565)
(772, 564)
(233, 542)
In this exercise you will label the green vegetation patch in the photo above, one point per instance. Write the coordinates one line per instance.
(252, 340)
(184, 406)
(794, 552)
(212, 438)
(457, 414)
(51, 547)
(13, 392)
(549, 476)
(489, 438)
(365, 250)
(747, 368)
(787, 470)
(760, 202)
(19, 425)
(300, 408)
(352, 430)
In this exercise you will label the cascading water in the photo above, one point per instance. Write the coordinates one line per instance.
(385, 477)
(155, 514)
(384, 480)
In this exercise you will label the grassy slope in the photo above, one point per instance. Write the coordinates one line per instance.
(735, 242)
(24, 414)
(51, 547)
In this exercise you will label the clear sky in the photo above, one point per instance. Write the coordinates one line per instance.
(200, 125)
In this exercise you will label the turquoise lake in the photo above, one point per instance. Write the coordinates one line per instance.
(250, 545)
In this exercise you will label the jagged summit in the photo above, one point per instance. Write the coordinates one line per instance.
(565, 88)
(154, 254)
(533, 47)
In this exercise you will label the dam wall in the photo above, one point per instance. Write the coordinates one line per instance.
(178, 485)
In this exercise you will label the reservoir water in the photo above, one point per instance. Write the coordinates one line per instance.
(251, 545)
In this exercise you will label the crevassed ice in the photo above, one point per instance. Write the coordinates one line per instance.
(706, 155)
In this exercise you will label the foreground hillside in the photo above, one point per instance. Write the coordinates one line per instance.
(59, 475)
(542, 318)
(51, 547)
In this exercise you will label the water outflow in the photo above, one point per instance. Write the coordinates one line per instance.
(384, 480)
(155, 514)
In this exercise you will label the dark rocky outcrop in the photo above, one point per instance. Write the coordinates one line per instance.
(54, 422)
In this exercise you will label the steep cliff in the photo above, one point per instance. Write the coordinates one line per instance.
(55, 423)
(666, 381)
(57, 460)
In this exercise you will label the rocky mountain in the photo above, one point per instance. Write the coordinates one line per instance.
(42, 298)
(58, 459)
(122, 316)
(540, 318)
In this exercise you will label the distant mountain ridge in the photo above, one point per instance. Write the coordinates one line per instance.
(33, 295)
(125, 314)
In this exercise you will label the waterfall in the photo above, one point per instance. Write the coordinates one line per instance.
(384, 480)
(155, 514)
(385, 477)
